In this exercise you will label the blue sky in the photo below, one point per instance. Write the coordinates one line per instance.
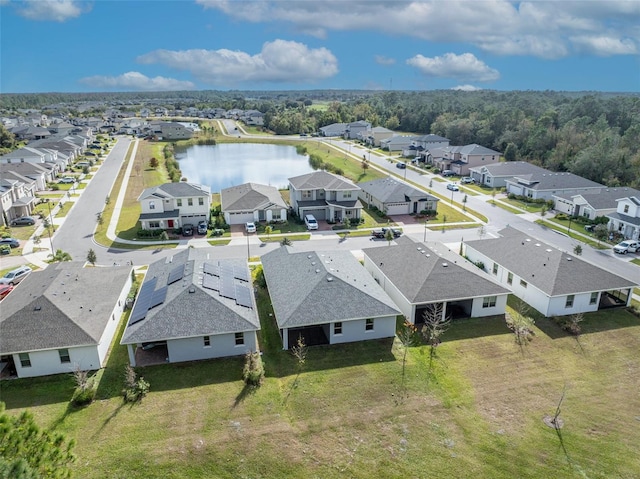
(118, 45)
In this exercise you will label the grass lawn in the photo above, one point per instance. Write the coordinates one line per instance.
(64, 209)
(505, 207)
(19, 232)
(528, 207)
(636, 261)
(475, 411)
(277, 238)
(562, 226)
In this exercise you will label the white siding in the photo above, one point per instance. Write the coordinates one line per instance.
(355, 330)
(477, 311)
(397, 208)
(406, 308)
(222, 345)
(112, 325)
(557, 305)
(48, 362)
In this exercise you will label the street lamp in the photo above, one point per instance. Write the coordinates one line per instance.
(424, 240)
(50, 226)
(569, 229)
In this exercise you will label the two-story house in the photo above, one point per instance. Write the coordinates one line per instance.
(460, 159)
(173, 205)
(324, 195)
(626, 218)
(592, 204)
(357, 129)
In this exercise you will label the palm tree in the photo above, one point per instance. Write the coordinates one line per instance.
(60, 256)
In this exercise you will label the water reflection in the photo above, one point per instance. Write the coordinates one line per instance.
(229, 164)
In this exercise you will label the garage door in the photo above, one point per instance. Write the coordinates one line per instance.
(398, 209)
(319, 214)
(240, 217)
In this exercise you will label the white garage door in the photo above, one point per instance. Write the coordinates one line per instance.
(318, 214)
(398, 209)
(240, 217)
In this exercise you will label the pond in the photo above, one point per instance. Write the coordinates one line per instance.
(230, 164)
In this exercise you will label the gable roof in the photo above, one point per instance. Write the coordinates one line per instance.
(189, 309)
(605, 198)
(250, 196)
(552, 271)
(390, 190)
(475, 149)
(62, 306)
(424, 275)
(321, 180)
(316, 288)
(175, 190)
(509, 168)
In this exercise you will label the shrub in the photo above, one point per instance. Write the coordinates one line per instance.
(134, 388)
(253, 372)
(82, 397)
(571, 324)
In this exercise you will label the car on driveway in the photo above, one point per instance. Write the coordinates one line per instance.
(187, 230)
(67, 180)
(5, 289)
(448, 173)
(14, 276)
(202, 228)
(467, 180)
(453, 187)
(250, 227)
(628, 246)
(14, 243)
(24, 221)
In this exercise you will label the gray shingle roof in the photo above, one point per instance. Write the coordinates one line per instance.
(552, 181)
(510, 168)
(605, 198)
(475, 149)
(250, 196)
(176, 190)
(189, 309)
(422, 277)
(547, 268)
(626, 218)
(316, 288)
(321, 180)
(390, 190)
(62, 306)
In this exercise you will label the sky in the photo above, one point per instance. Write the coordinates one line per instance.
(151, 45)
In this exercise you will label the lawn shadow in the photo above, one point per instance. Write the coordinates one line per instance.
(550, 328)
(472, 328)
(247, 391)
(33, 392)
(108, 419)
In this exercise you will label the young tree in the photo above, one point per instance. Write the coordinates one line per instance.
(364, 164)
(435, 324)
(493, 196)
(601, 232)
(464, 203)
(346, 223)
(268, 230)
(388, 235)
(153, 162)
(444, 223)
(60, 256)
(99, 218)
(253, 372)
(543, 211)
(135, 388)
(299, 351)
(521, 323)
(482, 231)
(408, 337)
(285, 242)
(107, 200)
(36, 240)
(91, 257)
(577, 250)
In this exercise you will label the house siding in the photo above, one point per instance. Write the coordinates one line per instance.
(48, 362)
(222, 345)
(355, 330)
(112, 325)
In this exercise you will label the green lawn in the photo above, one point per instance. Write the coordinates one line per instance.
(64, 209)
(636, 261)
(506, 207)
(528, 207)
(562, 226)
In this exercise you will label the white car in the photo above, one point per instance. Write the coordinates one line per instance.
(250, 227)
(625, 247)
(13, 277)
(453, 187)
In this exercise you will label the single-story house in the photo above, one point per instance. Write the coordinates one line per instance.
(335, 129)
(397, 142)
(495, 175)
(252, 202)
(551, 281)
(62, 318)
(173, 205)
(327, 298)
(395, 197)
(546, 185)
(417, 277)
(191, 307)
(592, 204)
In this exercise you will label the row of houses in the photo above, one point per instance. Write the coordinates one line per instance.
(193, 305)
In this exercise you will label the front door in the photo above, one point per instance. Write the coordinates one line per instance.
(169, 223)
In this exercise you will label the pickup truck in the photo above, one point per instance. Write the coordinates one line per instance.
(382, 232)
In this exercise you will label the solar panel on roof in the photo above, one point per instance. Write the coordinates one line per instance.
(213, 269)
(176, 274)
(211, 282)
(144, 300)
(240, 272)
(158, 297)
(243, 296)
(227, 287)
(226, 269)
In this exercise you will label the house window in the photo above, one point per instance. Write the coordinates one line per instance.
(64, 356)
(626, 208)
(346, 194)
(25, 360)
(495, 268)
(207, 341)
(594, 298)
(368, 325)
(306, 195)
(276, 215)
(489, 301)
(569, 302)
(509, 278)
(179, 202)
(190, 201)
(152, 205)
(523, 283)
(239, 339)
(154, 224)
(201, 201)
(337, 328)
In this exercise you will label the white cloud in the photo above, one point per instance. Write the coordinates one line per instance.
(546, 29)
(137, 81)
(382, 60)
(450, 65)
(52, 10)
(279, 61)
(466, 88)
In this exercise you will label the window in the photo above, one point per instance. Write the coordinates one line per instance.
(190, 201)
(523, 283)
(179, 202)
(154, 224)
(368, 325)
(509, 278)
(337, 328)
(626, 208)
(495, 268)
(276, 215)
(25, 360)
(489, 302)
(306, 195)
(239, 339)
(569, 302)
(594, 298)
(152, 205)
(207, 342)
(346, 194)
(64, 356)
(201, 201)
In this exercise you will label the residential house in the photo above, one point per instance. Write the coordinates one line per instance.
(173, 205)
(191, 307)
(420, 145)
(626, 218)
(546, 185)
(496, 175)
(592, 204)
(17, 194)
(551, 281)
(395, 197)
(417, 278)
(357, 129)
(398, 143)
(460, 159)
(324, 195)
(62, 318)
(326, 298)
(175, 131)
(253, 117)
(24, 132)
(376, 135)
(36, 172)
(335, 129)
(252, 202)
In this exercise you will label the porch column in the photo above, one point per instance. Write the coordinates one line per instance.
(132, 355)
(285, 338)
(629, 296)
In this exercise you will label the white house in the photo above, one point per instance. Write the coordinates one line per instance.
(626, 218)
(551, 281)
(357, 129)
(592, 204)
(394, 197)
(324, 195)
(191, 307)
(547, 184)
(495, 175)
(252, 202)
(62, 318)
(173, 205)
(326, 298)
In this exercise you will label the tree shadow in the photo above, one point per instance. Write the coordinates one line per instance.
(247, 391)
(108, 420)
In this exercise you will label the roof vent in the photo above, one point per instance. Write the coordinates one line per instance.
(569, 259)
(549, 250)
(317, 271)
(192, 290)
(37, 308)
(538, 244)
(528, 240)
(329, 278)
(444, 265)
(309, 256)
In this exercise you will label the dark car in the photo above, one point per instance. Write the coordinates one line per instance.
(448, 173)
(402, 166)
(187, 230)
(396, 232)
(23, 220)
(14, 243)
(590, 228)
(382, 232)
(202, 228)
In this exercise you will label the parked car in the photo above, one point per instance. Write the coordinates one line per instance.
(589, 228)
(467, 180)
(23, 221)
(628, 246)
(311, 222)
(67, 180)
(453, 187)
(402, 166)
(187, 230)
(202, 228)
(14, 276)
(396, 232)
(14, 243)
(5, 289)
(447, 173)
(250, 227)
(382, 232)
